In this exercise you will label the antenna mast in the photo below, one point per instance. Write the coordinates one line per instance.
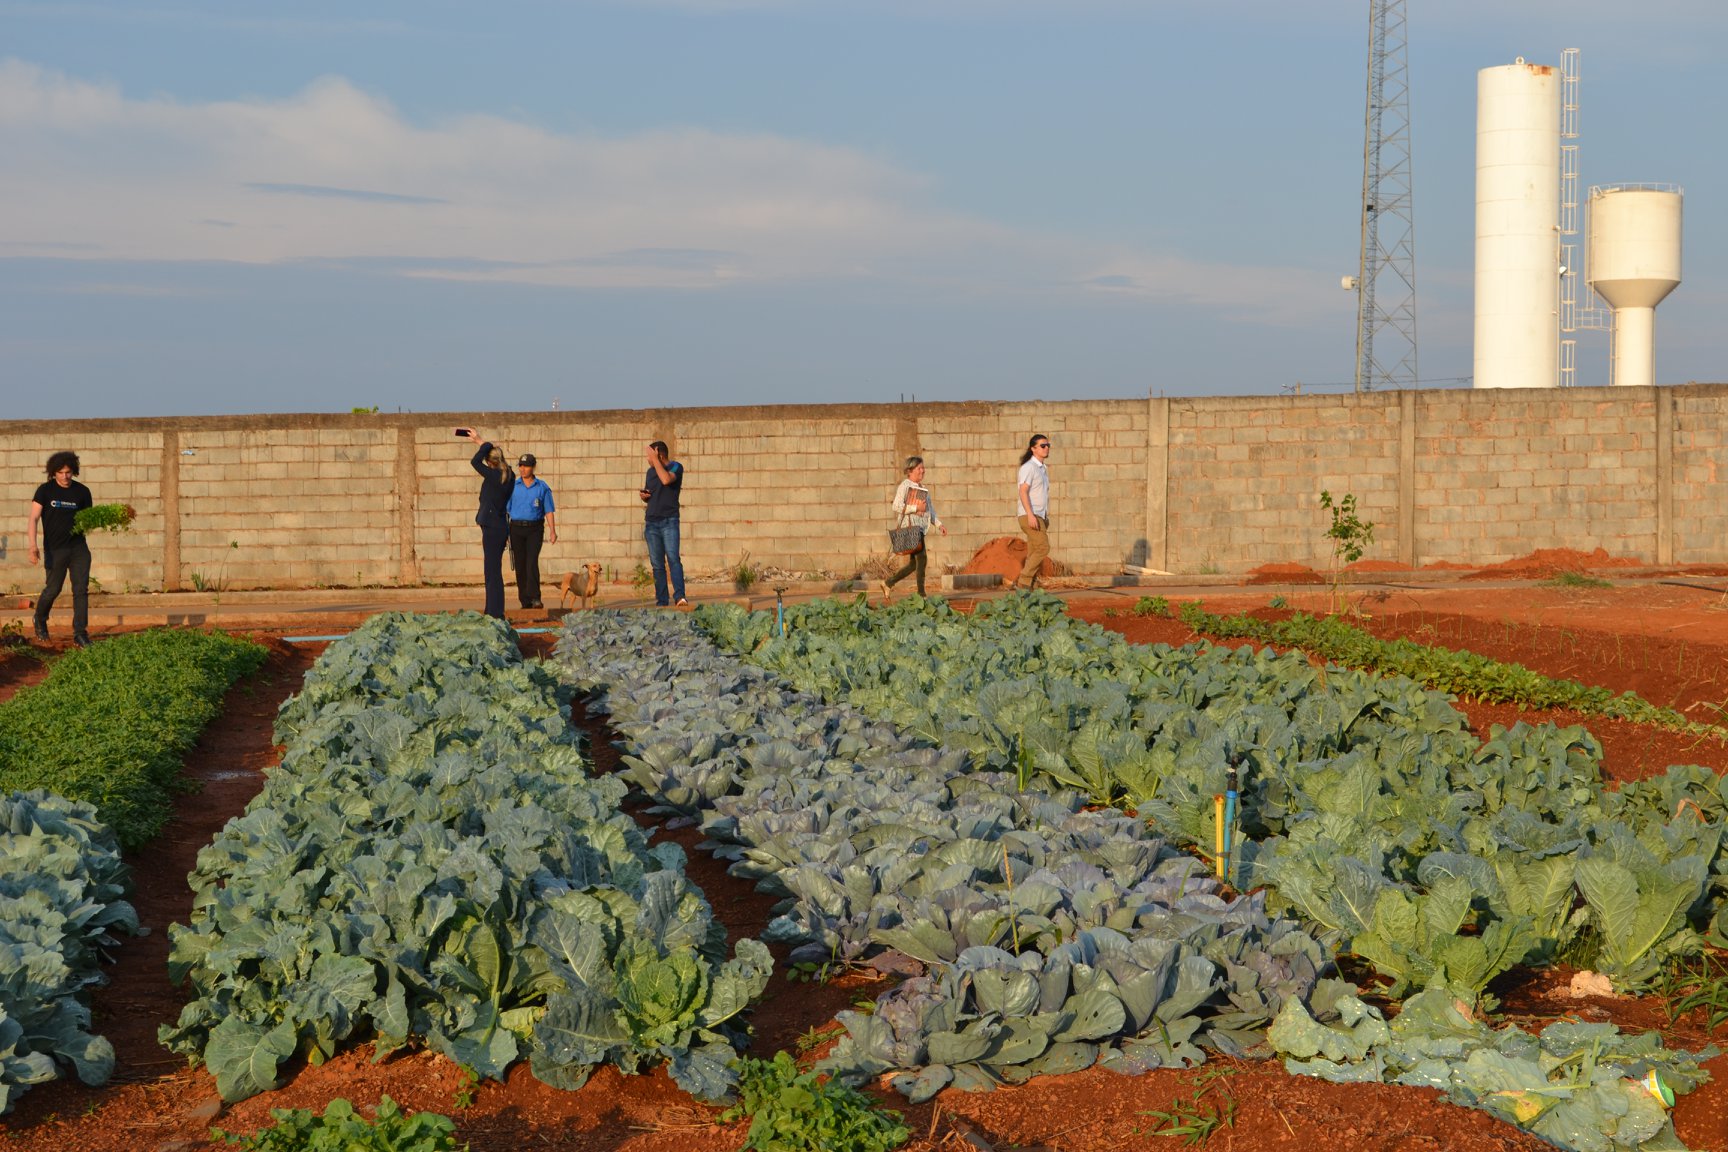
(1386, 276)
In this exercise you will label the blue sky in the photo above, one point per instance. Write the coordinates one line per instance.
(215, 206)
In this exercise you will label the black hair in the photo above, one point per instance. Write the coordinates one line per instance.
(660, 447)
(62, 460)
(1027, 455)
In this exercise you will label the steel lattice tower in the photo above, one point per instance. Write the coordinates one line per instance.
(1386, 275)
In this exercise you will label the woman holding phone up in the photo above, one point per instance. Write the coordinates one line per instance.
(492, 517)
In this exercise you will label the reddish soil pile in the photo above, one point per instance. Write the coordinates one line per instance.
(1285, 574)
(1546, 563)
(1005, 556)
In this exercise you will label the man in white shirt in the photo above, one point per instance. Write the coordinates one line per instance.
(1034, 510)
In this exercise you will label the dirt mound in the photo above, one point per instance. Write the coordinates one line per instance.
(1284, 574)
(1547, 562)
(1004, 556)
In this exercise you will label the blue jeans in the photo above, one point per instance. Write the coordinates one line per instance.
(662, 537)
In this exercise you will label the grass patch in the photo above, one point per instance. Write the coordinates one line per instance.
(1576, 580)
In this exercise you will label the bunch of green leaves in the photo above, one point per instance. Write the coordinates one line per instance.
(110, 724)
(61, 910)
(1195, 1118)
(342, 1129)
(797, 1111)
(1152, 606)
(432, 864)
(103, 518)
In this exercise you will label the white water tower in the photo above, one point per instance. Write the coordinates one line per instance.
(1517, 226)
(1633, 262)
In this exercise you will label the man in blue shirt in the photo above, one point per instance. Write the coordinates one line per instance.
(660, 489)
(531, 520)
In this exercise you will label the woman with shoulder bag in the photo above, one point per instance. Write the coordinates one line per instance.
(913, 509)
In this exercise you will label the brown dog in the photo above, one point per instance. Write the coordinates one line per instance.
(581, 585)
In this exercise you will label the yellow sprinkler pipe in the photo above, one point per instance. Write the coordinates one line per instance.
(1218, 827)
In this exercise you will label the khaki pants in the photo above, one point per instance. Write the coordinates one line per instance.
(1037, 531)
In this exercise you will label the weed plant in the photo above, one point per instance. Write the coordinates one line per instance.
(1576, 580)
(1696, 984)
(342, 1129)
(793, 1111)
(1152, 606)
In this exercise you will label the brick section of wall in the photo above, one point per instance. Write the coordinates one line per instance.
(1234, 482)
(288, 507)
(1246, 475)
(1700, 469)
(1499, 473)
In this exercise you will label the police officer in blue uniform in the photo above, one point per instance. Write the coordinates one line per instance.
(493, 518)
(531, 522)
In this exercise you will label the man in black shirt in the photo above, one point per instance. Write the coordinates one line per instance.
(63, 551)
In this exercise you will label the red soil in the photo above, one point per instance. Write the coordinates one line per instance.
(1005, 556)
(156, 1103)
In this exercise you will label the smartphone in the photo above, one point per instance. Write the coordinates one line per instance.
(461, 433)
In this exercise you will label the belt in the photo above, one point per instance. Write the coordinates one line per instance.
(541, 521)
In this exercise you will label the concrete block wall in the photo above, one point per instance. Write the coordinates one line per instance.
(1699, 472)
(1185, 485)
(1246, 473)
(1576, 467)
(295, 507)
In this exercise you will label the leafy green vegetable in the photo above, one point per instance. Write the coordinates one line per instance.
(103, 518)
(342, 1129)
(111, 723)
(793, 1111)
(61, 883)
(432, 864)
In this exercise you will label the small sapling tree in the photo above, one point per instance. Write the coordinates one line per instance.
(1349, 535)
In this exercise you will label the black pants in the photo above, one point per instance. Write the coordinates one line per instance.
(494, 538)
(914, 563)
(525, 537)
(73, 558)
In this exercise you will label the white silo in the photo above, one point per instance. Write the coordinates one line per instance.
(1633, 262)
(1517, 226)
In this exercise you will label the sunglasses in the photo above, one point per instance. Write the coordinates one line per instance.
(1042, 444)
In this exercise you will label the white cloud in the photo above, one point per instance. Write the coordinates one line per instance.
(336, 175)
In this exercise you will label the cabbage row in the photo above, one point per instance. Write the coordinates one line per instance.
(61, 883)
(1375, 815)
(1040, 936)
(1367, 806)
(430, 863)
